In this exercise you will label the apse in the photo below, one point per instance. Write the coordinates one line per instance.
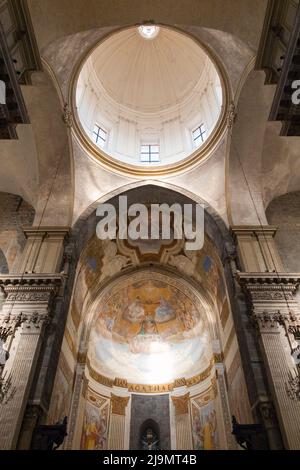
(148, 330)
(149, 96)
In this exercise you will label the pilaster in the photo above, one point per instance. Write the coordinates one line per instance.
(44, 249)
(274, 310)
(117, 422)
(25, 314)
(182, 421)
(257, 249)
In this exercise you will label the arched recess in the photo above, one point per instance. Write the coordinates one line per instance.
(103, 265)
(145, 439)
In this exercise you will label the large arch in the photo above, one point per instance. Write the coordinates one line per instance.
(104, 267)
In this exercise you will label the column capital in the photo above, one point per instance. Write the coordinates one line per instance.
(118, 404)
(181, 404)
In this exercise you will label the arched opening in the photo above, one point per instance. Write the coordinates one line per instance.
(148, 324)
(149, 435)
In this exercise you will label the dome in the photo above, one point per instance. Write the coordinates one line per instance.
(148, 96)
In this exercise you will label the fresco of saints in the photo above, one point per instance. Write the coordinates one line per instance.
(204, 428)
(149, 327)
(208, 431)
(135, 311)
(90, 434)
(94, 429)
(164, 312)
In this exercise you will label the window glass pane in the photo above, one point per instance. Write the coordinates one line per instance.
(155, 157)
(149, 153)
(145, 157)
(199, 135)
(99, 136)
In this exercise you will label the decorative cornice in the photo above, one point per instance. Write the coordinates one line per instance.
(268, 278)
(31, 279)
(254, 229)
(269, 287)
(30, 287)
(45, 230)
(151, 388)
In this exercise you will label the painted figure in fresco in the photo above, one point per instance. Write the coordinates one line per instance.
(208, 431)
(135, 311)
(90, 435)
(198, 443)
(146, 337)
(109, 323)
(94, 431)
(148, 326)
(112, 262)
(164, 312)
(101, 441)
(204, 428)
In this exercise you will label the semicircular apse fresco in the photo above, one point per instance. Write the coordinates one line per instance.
(149, 332)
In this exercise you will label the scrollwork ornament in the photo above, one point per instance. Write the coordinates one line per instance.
(67, 116)
(231, 115)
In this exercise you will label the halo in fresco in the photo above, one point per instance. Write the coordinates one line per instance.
(149, 332)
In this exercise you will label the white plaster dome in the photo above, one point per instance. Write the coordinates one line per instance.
(148, 96)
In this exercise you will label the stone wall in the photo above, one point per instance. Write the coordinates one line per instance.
(284, 212)
(14, 214)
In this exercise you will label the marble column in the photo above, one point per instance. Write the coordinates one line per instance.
(117, 422)
(181, 405)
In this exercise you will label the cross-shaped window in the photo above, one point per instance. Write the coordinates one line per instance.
(199, 135)
(99, 136)
(149, 153)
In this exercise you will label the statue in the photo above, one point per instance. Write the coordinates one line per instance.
(150, 440)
